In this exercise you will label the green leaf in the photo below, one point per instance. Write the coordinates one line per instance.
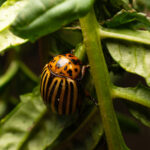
(128, 19)
(8, 40)
(139, 94)
(8, 12)
(23, 127)
(86, 135)
(17, 125)
(41, 17)
(140, 113)
(47, 131)
(134, 58)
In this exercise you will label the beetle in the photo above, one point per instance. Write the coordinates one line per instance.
(60, 83)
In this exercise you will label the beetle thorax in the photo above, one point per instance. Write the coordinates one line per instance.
(65, 66)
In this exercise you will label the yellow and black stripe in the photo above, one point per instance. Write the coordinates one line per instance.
(59, 93)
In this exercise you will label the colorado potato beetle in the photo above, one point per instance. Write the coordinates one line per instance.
(60, 83)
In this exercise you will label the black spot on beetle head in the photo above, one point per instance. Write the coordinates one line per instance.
(76, 70)
(65, 68)
(69, 72)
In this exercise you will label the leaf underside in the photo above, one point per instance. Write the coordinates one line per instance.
(134, 58)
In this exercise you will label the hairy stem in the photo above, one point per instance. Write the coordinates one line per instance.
(90, 30)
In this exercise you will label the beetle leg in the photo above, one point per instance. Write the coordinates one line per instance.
(83, 71)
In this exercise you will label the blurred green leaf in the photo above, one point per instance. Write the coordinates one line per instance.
(41, 17)
(2, 1)
(86, 134)
(17, 125)
(140, 113)
(23, 127)
(142, 5)
(47, 131)
(134, 58)
(128, 19)
(120, 3)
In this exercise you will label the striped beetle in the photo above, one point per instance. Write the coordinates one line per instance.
(60, 87)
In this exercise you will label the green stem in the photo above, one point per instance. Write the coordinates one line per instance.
(128, 35)
(80, 52)
(90, 30)
(131, 94)
(28, 72)
(11, 71)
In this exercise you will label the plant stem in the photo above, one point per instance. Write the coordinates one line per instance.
(90, 30)
(131, 94)
(128, 35)
(28, 72)
(11, 71)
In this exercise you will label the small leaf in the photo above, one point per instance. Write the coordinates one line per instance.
(17, 125)
(134, 58)
(128, 19)
(41, 17)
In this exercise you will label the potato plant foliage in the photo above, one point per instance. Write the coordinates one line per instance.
(112, 36)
